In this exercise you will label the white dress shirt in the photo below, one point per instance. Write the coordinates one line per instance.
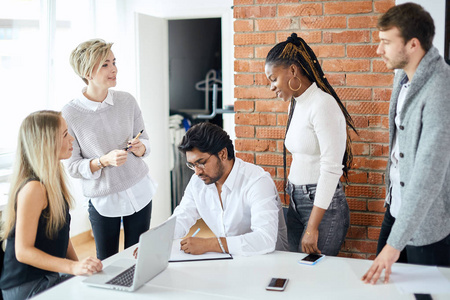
(126, 202)
(250, 214)
(394, 170)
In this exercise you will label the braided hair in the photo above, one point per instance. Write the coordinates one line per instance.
(295, 51)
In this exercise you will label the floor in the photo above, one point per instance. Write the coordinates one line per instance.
(84, 243)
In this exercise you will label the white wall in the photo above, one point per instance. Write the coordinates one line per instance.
(153, 92)
(151, 62)
(79, 216)
(122, 31)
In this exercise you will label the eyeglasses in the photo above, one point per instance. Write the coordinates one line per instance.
(192, 166)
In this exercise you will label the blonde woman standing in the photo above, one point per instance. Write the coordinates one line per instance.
(37, 220)
(110, 142)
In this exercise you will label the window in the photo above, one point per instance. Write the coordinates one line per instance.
(36, 37)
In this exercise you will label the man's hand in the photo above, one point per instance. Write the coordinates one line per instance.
(196, 246)
(387, 257)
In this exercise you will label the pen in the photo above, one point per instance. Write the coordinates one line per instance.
(195, 233)
(137, 136)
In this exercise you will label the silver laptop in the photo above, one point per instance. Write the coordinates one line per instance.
(155, 246)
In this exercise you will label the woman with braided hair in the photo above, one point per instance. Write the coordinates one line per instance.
(317, 137)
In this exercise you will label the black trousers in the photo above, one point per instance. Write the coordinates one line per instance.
(107, 230)
(436, 254)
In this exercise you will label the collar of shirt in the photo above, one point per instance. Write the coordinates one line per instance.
(93, 105)
(404, 80)
(405, 83)
(307, 93)
(231, 179)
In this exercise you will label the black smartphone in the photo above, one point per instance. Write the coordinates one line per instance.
(311, 259)
(277, 284)
(423, 297)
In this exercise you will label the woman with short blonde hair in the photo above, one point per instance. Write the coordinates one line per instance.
(109, 148)
(86, 55)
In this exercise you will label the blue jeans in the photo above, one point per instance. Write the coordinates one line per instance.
(436, 254)
(333, 227)
(107, 230)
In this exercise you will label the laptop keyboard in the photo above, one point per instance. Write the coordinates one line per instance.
(125, 278)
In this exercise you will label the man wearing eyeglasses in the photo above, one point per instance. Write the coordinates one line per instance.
(237, 200)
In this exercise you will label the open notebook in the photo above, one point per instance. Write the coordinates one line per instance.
(178, 255)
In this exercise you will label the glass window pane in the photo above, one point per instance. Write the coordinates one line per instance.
(74, 25)
(35, 73)
(22, 74)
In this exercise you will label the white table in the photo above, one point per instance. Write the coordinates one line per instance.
(246, 278)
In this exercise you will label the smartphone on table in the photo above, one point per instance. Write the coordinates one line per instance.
(311, 259)
(277, 284)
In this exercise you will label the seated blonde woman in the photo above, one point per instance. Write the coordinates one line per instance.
(37, 220)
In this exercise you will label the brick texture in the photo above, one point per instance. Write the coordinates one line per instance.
(344, 37)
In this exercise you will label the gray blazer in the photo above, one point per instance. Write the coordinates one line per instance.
(424, 141)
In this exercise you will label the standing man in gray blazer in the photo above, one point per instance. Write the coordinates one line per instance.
(417, 219)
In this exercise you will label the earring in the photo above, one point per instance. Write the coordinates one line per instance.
(289, 84)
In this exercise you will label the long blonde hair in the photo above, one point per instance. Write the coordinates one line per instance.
(37, 156)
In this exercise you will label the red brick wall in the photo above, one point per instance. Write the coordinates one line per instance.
(344, 37)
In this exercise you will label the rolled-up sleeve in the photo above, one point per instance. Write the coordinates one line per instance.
(186, 213)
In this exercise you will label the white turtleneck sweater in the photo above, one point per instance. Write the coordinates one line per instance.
(317, 140)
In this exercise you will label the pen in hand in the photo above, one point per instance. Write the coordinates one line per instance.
(136, 137)
(183, 242)
(195, 233)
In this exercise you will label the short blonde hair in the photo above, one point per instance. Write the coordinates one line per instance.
(87, 54)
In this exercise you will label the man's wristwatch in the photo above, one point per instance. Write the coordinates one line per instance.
(99, 163)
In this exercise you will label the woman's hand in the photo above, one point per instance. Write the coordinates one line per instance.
(309, 241)
(115, 158)
(87, 266)
(311, 235)
(136, 147)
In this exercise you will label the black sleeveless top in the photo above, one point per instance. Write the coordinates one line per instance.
(15, 273)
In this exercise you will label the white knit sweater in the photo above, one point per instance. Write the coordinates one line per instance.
(97, 133)
(317, 140)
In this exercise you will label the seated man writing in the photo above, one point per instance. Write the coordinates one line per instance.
(237, 200)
